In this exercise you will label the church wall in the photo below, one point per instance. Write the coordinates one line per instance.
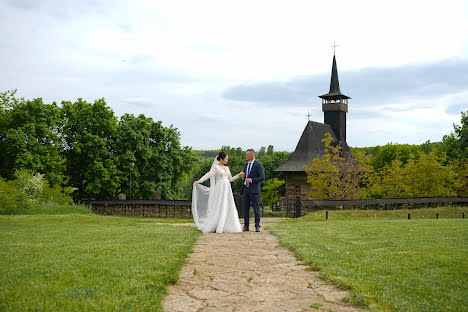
(296, 184)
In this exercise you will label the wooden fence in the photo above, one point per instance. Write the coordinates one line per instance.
(143, 208)
(295, 206)
(154, 208)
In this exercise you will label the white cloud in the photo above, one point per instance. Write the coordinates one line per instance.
(174, 60)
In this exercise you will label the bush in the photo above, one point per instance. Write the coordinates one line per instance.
(12, 199)
(30, 193)
(31, 184)
(57, 195)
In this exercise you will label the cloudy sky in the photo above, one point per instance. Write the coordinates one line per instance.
(245, 73)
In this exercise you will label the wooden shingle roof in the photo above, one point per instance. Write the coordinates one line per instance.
(310, 146)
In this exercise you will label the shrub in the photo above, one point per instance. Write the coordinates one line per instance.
(57, 195)
(12, 199)
(31, 184)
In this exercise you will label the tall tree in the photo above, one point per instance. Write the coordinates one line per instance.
(158, 157)
(333, 176)
(271, 161)
(426, 176)
(456, 143)
(30, 137)
(89, 130)
(387, 153)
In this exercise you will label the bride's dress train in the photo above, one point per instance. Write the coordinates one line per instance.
(213, 208)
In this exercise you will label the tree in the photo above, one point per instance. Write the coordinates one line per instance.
(456, 143)
(426, 176)
(89, 131)
(273, 160)
(429, 177)
(160, 160)
(389, 152)
(389, 182)
(269, 195)
(270, 150)
(334, 176)
(30, 138)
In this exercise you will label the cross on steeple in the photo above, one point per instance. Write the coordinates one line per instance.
(334, 46)
(308, 114)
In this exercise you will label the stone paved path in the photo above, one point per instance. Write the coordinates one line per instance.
(249, 272)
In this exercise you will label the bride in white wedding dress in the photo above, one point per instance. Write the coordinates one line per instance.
(213, 208)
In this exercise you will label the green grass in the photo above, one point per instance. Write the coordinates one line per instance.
(387, 264)
(51, 209)
(267, 212)
(445, 212)
(88, 262)
(56, 209)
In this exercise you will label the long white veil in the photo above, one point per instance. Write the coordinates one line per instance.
(201, 197)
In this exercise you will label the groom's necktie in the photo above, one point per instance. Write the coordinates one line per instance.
(248, 173)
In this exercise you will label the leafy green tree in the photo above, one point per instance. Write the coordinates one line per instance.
(268, 194)
(387, 153)
(270, 150)
(429, 177)
(426, 176)
(158, 157)
(389, 182)
(429, 147)
(30, 138)
(333, 176)
(456, 143)
(271, 161)
(89, 131)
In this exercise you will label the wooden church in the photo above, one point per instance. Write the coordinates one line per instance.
(310, 146)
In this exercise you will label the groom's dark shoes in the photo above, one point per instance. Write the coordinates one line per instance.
(245, 229)
(257, 228)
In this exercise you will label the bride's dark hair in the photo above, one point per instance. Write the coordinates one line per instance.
(221, 155)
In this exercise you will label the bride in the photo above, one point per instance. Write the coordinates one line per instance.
(213, 207)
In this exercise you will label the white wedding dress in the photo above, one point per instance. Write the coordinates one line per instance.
(213, 208)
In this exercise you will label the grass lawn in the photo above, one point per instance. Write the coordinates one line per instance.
(88, 262)
(386, 261)
(445, 212)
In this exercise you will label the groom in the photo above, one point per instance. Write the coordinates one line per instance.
(252, 175)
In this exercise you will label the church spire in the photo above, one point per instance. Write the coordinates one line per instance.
(334, 94)
(334, 82)
(335, 105)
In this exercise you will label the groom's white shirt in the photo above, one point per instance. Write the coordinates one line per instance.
(247, 174)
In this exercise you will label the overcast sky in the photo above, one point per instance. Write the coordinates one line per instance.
(245, 73)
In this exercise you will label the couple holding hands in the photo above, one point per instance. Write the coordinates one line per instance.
(214, 209)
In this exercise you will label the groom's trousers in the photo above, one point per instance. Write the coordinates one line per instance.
(247, 199)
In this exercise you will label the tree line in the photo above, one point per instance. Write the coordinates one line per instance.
(81, 149)
(437, 169)
(86, 147)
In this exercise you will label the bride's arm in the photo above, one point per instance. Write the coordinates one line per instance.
(232, 178)
(207, 175)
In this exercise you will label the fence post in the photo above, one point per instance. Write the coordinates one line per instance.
(298, 206)
(409, 216)
(437, 216)
(326, 215)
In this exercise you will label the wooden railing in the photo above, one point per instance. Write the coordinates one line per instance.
(297, 207)
(143, 208)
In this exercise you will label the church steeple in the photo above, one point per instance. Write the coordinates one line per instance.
(335, 105)
(335, 92)
(334, 82)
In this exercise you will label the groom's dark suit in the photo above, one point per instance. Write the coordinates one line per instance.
(251, 192)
